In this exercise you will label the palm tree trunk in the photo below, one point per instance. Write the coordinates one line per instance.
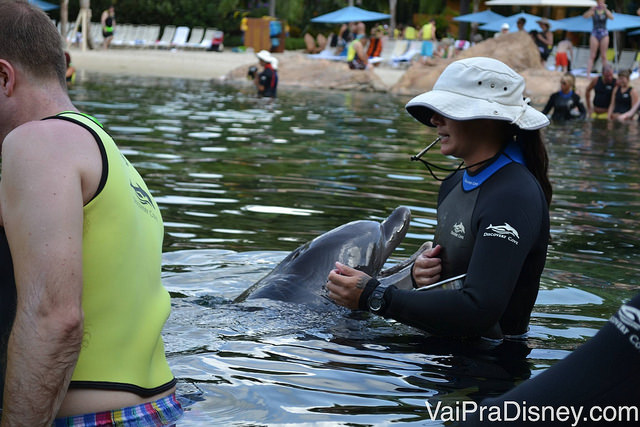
(272, 8)
(64, 19)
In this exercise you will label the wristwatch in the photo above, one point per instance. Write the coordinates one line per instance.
(377, 304)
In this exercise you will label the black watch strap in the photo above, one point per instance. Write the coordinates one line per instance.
(363, 302)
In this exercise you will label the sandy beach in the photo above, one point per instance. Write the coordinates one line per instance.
(182, 63)
(297, 70)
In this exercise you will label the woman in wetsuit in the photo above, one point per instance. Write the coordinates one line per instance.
(599, 39)
(566, 103)
(623, 97)
(493, 218)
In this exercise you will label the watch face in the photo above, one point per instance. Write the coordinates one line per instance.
(375, 303)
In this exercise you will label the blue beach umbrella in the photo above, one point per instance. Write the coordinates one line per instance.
(44, 5)
(580, 24)
(350, 14)
(530, 25)
(480, 17)
(635, 33)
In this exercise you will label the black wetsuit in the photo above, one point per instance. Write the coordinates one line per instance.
(603, 91)
(494, 226)
(269, 80)
(564, 106)
(622, 102)
(605, 371)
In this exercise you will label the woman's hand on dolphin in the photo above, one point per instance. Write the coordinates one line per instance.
(346, 284)
(428, 266)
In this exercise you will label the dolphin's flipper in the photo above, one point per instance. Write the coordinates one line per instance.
(400, 274)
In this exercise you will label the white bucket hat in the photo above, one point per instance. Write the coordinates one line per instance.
(478, 88)
(265, 55)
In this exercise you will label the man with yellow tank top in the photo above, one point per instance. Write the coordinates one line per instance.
(410, 33)
(356, 54)
(428, 31)
(82, 305)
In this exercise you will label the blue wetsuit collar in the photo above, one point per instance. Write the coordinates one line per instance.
(511, 153)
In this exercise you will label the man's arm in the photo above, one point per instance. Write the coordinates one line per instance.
(587, 94)
(612, 102)
(361, 53)
(42, 199)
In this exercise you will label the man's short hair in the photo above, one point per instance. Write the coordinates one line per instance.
(29, 39)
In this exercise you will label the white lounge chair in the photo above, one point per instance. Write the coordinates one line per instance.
(122, 35)
(151, 35)
(413, 49)
(626, 59)
(180, 38)
(167, 36)
(205, 43)
(195, 38)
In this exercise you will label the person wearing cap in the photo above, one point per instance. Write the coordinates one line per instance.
(543, 39)
(267, 80)
(565, 103)
(504, 29)
(493, 214)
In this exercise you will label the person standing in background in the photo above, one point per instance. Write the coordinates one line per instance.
(267, 80)
(564, 55)
(108, 22)
(623, 97)
(428, 31)
(603, 88)
(599, 39)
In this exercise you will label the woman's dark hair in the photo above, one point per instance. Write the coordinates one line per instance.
(536, 158)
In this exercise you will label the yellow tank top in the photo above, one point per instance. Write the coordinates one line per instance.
(125, 305)
(426, 31)
(410, 33)
(351, 51)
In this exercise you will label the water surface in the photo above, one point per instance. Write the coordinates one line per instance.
(241, 182)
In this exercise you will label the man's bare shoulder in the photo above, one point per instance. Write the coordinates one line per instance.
(52, 144)
(46, 138)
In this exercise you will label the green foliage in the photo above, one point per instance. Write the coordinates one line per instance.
(294, 43)
(232, 41)
(226, 14)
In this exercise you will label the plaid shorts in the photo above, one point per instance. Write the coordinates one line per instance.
(162, 412)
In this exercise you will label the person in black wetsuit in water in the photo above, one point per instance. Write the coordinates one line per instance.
(493, 218)
(565, 103)
(597, 383)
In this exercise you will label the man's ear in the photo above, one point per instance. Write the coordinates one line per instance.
(7, 78)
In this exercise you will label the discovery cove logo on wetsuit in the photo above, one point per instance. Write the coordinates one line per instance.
(458, 230)
(627, 320)
(502, 231)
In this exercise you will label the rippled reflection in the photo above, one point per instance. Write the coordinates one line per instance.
(240, 183)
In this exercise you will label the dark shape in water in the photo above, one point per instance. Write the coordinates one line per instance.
(301, 276)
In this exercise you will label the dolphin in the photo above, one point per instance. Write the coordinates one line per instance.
(301, 276)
